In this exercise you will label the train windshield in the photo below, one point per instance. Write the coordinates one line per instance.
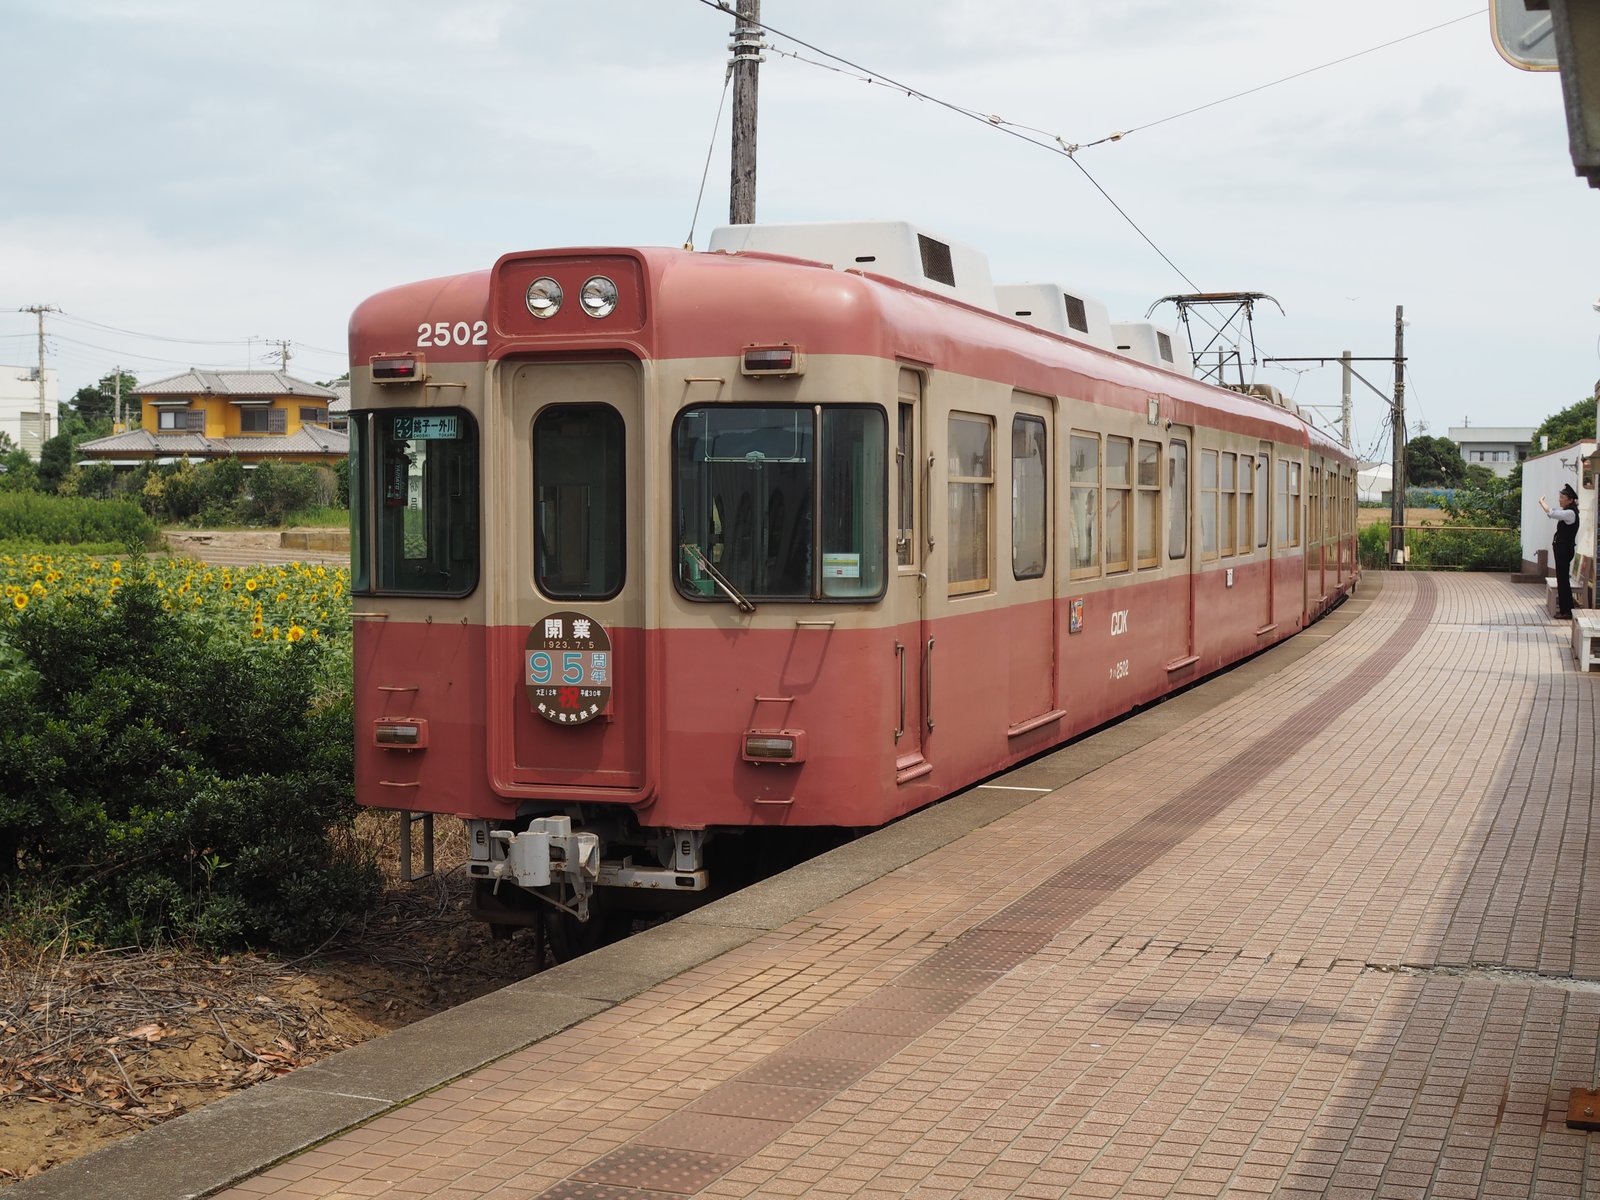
(764, 514)
(414, 489)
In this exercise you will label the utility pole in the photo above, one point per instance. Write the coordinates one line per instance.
(283, 356)
(1344, 406)
(1397, 470)
(116, 418)
(746, 47)
(39, 311)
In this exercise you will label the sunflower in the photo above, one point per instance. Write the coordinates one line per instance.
(20, 600)
(296, 633)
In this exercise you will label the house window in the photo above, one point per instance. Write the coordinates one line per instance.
(313, 416)
(172, 420)
(263, 420)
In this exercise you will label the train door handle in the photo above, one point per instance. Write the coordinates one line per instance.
(900, 654)
(927, 684)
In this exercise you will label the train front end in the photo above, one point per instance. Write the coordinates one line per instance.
(617, 562)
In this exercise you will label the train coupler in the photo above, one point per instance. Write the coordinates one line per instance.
(546, 853)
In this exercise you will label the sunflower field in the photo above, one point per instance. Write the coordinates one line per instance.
(176, 758)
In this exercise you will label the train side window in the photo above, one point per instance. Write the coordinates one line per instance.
(1227, 504)
(1208, 504)
(360, 430)
(1247, 520)
(1178, 489)
(1119, 504)
(853, 519)
(1084, 477)
(579, 487)
(1030, 490)
(1295, 530)
(905, 542)
(1149, 504)
(970, 484)
(426, 524)
(1263, 500)
(1314, 520)
(1288, 504)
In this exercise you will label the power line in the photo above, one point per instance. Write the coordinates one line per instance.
(1114, 137)
(74, 319)
(1062, 150)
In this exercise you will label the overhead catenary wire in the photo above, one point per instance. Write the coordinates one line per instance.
(705, 173)
(724, 6)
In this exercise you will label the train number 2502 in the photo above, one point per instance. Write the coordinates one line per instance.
(442, 333)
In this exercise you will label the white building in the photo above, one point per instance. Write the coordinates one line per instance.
(1372, 481)
(1543, 475)
(1497, 447)
(19, 407)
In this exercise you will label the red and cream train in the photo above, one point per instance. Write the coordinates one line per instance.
(654, 546)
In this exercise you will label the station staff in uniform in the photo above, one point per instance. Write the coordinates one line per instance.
(1563, 544)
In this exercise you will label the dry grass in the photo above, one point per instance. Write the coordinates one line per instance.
(97, 1044)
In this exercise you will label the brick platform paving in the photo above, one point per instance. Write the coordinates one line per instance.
(1335, 937)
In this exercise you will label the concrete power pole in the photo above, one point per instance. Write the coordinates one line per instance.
(746, 47)
(39, 311)
(1344, 407)
(1397, 503)
(284, 356)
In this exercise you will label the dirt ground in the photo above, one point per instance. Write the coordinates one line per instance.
(94, 1047)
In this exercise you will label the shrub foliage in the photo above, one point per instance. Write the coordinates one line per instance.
(174, 783)
(62, 520)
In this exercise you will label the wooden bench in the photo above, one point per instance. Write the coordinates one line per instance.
(1552, 594)
(1586, 638)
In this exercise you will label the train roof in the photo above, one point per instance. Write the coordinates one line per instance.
(843, 311)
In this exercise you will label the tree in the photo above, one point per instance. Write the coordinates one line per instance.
(1571, 424)
(97, 405)
(1434, 462)
(55, 460)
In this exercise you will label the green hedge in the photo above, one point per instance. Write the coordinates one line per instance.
(159, 781)
(69, 520)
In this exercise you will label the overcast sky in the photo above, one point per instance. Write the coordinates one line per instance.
(204, 177)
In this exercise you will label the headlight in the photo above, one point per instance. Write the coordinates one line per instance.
(599, 296)
(544, 297)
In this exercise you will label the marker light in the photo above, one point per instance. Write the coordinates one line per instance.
(400, 734)
(598, 296)
(778, 746)
(397, 369)
(544, 297)
(773, 360)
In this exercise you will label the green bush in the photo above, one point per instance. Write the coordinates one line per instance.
(67, 520)
(172, 783)
(1444, 547)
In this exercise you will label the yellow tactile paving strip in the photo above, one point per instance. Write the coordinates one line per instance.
(1272, 952)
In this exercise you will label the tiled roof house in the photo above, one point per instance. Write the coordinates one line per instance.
(250, 415)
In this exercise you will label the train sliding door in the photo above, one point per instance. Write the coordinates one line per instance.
(914, 647)
(1032, 616)
(1263, 538)
(567, 652)
(1182, 555)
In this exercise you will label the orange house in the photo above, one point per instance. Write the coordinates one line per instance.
(254, 416)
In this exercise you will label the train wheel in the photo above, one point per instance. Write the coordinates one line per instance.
(569, 938)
